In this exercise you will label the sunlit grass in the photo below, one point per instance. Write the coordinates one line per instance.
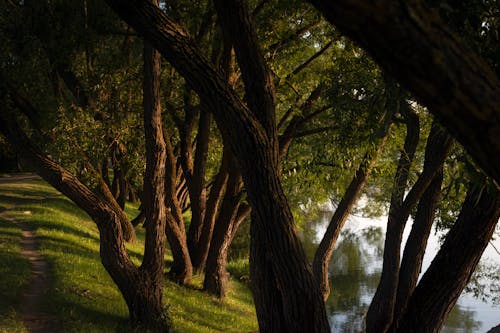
(82, 296)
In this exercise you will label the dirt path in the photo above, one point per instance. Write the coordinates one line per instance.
(30, 307)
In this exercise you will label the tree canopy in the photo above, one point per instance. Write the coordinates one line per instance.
(208, 113)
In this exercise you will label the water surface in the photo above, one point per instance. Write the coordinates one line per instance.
(355, 272)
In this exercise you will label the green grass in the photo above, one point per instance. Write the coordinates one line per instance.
(14, 273)
(82, 296)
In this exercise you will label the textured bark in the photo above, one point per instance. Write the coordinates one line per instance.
(451, 269)
(414, 251)
(231, 214)
(212, 211)
(411, 42)
(154, 180)
(216, 276)
(439, 143)
(198, 194)
(286, 293)
(259, 87)
(182, 269)
(436, 150)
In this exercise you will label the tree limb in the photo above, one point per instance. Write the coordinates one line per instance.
(411, 42)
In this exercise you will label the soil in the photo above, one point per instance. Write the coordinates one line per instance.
(31, 303)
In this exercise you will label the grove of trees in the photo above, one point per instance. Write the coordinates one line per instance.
(216, 114)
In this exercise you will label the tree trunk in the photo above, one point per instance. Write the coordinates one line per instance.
(123, 193)
(198, 194)
(436, 150)
(379, 315)
(414, 251)
(409, 40)
(451, 269)
(136, 285)
(212, 210)
(154, 190)
(286, 294)
(216, 276)
(182, 269)
(140, 217)
(321, 262)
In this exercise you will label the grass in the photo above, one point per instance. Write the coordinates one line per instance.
(82, 296)
(14, 272)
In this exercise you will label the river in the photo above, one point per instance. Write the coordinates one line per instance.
(355, 271)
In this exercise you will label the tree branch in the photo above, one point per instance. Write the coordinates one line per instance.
(411, 42)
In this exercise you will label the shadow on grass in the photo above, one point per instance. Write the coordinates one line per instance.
(58, 227)
(15, 272)
(88, 319)
(19, 200)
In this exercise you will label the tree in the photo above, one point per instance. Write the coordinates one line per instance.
(325, 248)
(381, 311)
(286, 294)
(141, 287)
(409, 40)
(444, 280)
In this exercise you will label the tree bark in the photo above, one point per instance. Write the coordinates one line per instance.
(438, 146)
(411, 42)
(198, 194)
(134, 284)
(231, 214)
(379, 315)
(182, 269)
(451, 269)
(286, 293)
(216, 276)
(414, 251)
(436, 150)
(212, 210)
(154, 181)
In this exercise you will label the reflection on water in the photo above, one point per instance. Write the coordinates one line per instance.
(354, 277)
(355, 271)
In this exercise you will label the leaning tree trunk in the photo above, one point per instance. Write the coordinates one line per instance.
(212, 208)
(286, 294)
(409, 40)
(321, 261)
(436, 150)
(451, 269)
(325, 248)
(415, 246)
(216, 276)
(379, 315)
(414, 251)
(181, 269)
(136, 285)
(154, 188)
